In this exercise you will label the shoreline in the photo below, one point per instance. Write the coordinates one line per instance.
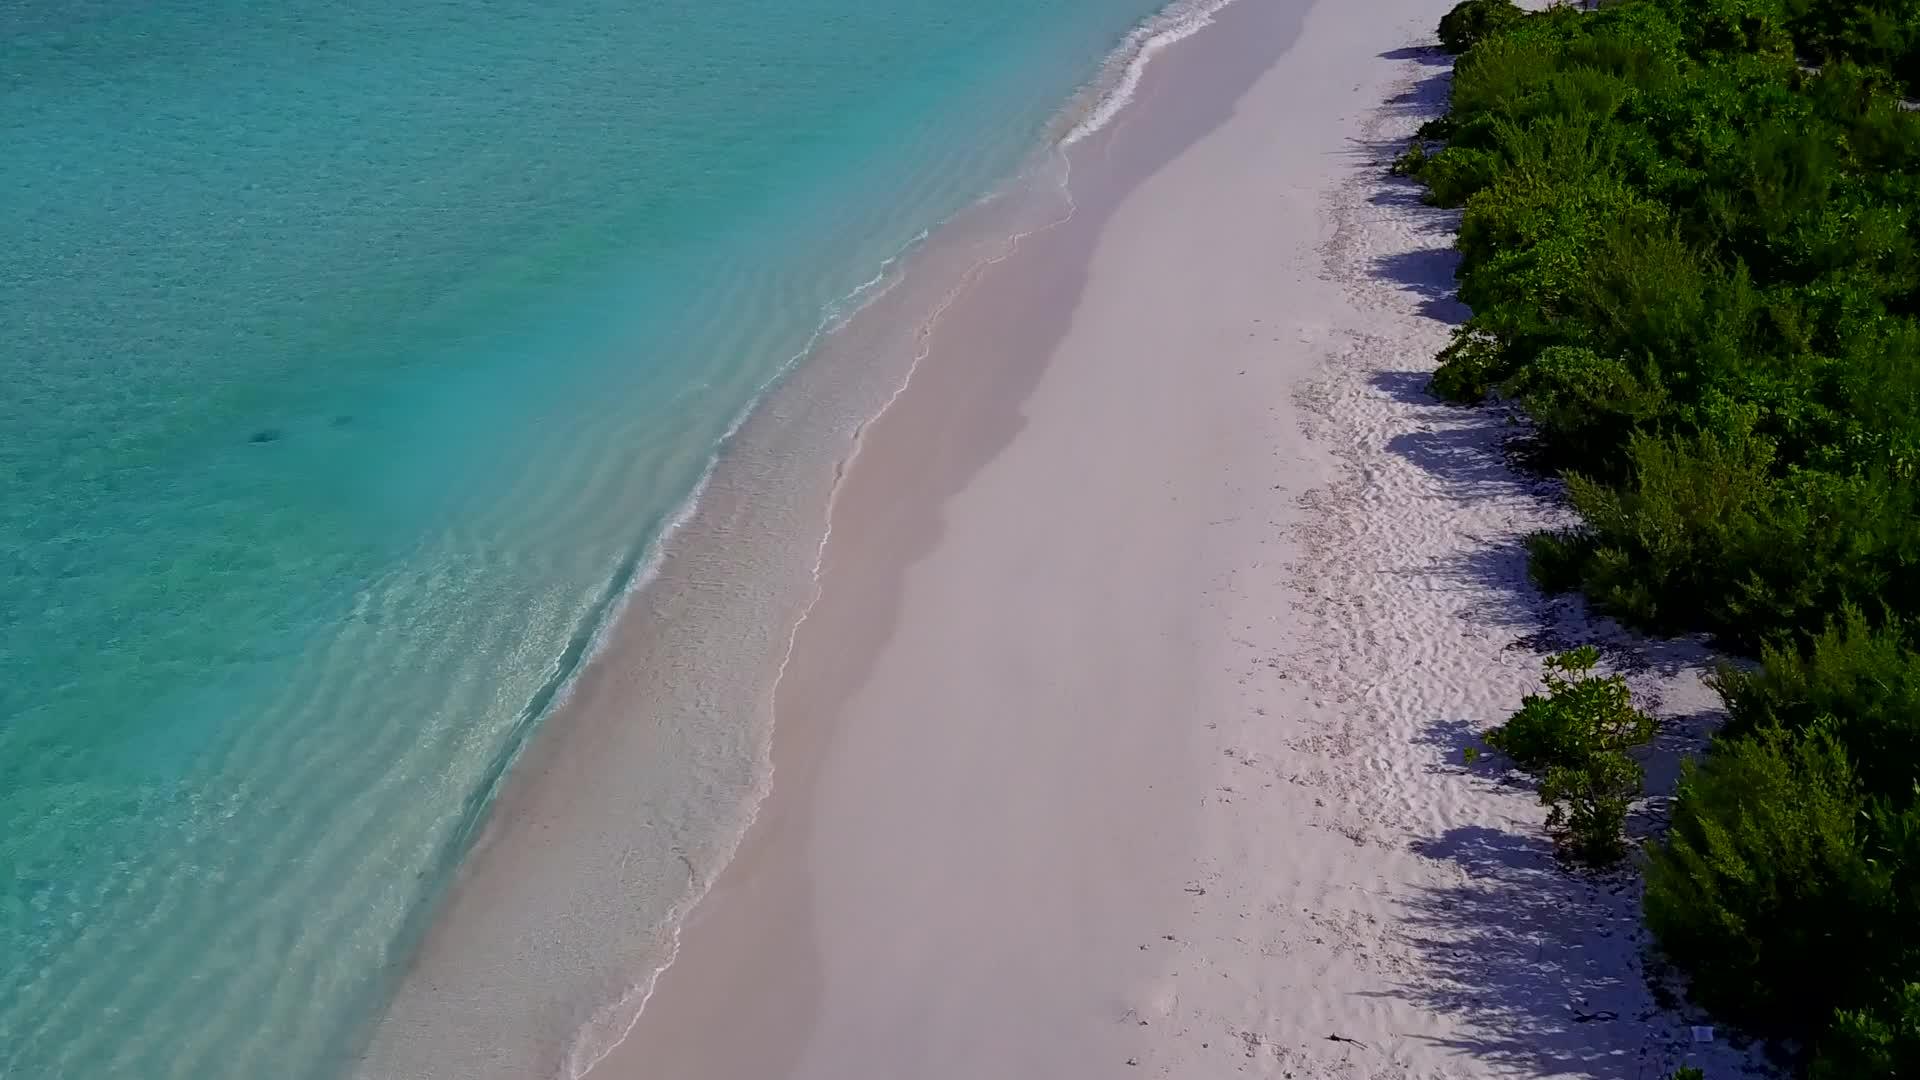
(798, 738)
(824, 397)
(1121, 701)
(1124, 732)
(663, 691)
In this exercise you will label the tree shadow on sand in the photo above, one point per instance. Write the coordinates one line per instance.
(1540, 993)
(1431, 55)
(1422, 100)
(1543, 970)
(1471, 451)
(1428, 274)
(1544, 967)
(1547, 967)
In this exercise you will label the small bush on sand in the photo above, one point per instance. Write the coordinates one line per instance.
(1581, 714)
(1589, 805)
(1576, 738)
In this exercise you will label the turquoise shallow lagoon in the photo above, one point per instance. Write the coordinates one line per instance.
(353, 356)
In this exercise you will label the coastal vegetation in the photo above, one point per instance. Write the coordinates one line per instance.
(1576, 740)
(1690, 239)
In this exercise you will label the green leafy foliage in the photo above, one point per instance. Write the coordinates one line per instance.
(1766, 893)
(1471, 20)
(1589, 803)
(1883, 33)
(1859, 682)
(1580, 714)
(1690, 239)
(1880, 1041)
(1576, 738)
(1585, 406)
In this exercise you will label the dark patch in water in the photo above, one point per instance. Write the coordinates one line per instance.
(265, 435)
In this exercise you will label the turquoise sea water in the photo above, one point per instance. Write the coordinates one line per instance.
(351, 355)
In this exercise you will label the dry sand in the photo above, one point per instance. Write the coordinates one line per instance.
(1124, 738)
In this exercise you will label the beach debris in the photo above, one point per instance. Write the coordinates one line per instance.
(1335, 1037)
(1604, 1014)
(1702, 1034)
(1197, 890)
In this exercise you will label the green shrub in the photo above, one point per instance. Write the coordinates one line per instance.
(1589, 804)
(1581, 714)
(1754, 26)
(1411, 161)
(1471, 20)
(1883, 34)
(1870, 1043)
(1855, 680)
(1557, 559)
(1467, 368)
(1694, 264)
(1765, 892)
(1657, 543)
(1701, 535)
(1583, 404)
(1686, 1072)
(1695, 267)
(1575, 738)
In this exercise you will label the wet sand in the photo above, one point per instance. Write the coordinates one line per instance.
(1123, 735)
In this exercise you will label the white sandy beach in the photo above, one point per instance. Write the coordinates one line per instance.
(1125, 733)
